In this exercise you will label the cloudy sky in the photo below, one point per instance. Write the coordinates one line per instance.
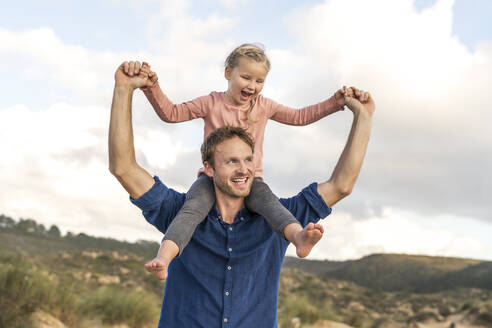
(426, 181)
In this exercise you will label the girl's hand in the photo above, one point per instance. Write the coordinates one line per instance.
(152, 76)
(341, 94)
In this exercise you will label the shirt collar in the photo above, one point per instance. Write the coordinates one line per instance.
(243, 215)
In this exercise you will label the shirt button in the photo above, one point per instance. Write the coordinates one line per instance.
(227, 293)
(230, 249)
(242, 219)
(225, 320)
(229, 267)
(230, 228)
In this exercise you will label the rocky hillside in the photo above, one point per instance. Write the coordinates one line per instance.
(317, 301)
(50, 280)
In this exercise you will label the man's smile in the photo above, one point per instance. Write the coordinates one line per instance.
(240, 180)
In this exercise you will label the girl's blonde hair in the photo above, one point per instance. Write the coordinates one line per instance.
(251, 51)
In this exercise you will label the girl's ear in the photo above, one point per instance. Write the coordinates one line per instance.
(227, 73)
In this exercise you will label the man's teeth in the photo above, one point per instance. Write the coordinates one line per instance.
(239, 180)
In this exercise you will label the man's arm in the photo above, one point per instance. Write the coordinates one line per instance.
(122, 162)
(349, 164)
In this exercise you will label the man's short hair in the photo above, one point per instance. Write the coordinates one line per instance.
(222, 134)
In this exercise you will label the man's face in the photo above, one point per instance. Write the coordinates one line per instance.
(234, 168)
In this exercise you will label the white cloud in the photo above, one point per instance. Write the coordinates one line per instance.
(232, 3)
(189, 51)
(430, 151)
(57, 168)
(181, 28)
(431, 94)
(392, 232)
(41, 54)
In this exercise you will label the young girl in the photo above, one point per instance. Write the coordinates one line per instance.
(246, 69)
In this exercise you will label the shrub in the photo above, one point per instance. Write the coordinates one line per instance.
(116, 306)
(358, 320)
(24, 289)
(300, 308)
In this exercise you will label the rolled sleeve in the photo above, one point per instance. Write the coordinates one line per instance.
(316, 201)
(160, 204)
(308, 205)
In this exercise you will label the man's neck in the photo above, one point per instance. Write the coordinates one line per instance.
(228, 206)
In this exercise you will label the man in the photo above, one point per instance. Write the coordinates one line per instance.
(228, 275)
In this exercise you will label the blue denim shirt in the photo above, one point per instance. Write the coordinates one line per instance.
(228, 275)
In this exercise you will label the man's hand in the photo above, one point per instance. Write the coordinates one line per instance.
(349, 164)
(122, 161)
(356, 100)
(359, 101)
(131, 75)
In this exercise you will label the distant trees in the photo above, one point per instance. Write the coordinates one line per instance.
(54, 232)
(6, 222)
(29, 226)
(32, 228)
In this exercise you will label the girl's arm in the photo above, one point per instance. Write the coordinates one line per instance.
(167, 111)
(306, 115)
(174, 113)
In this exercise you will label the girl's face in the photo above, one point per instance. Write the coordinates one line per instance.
(245, 80)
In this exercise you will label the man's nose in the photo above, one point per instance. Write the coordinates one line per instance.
(243, 167)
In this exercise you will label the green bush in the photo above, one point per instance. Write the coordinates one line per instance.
(24, 289)
(484, 318)
(358, 320)
(116, 306)
(300, 308)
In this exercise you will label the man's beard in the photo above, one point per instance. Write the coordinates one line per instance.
(227, 189)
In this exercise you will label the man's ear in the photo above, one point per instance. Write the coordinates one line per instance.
(227, 73)
(209, 170)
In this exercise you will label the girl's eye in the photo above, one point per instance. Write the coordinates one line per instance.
(245, 77)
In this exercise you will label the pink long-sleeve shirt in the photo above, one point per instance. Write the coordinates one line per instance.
(216, 111)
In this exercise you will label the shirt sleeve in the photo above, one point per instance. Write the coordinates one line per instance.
(160, 205)
(175, 113)
(302, 116)
(308, 205)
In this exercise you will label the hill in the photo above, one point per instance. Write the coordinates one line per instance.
(398, 272)
(28, 237)
(82, 281)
